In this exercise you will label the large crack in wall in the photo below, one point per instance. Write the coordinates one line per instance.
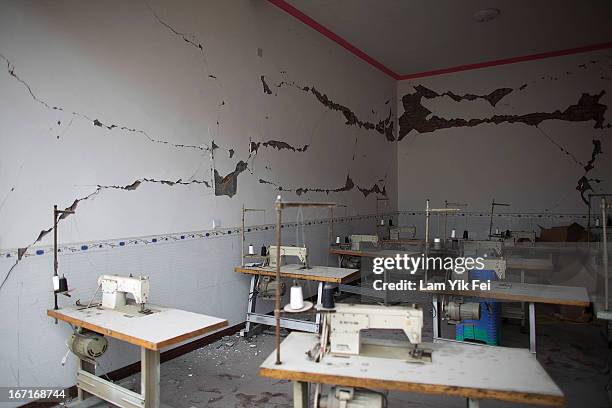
(349, 185)
(73, 207)
(417, 117)
(276, 144)
(10, 67)
(588, 108)
(384, 126)
(190, 39)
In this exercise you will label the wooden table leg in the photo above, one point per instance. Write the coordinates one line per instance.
(300, 394)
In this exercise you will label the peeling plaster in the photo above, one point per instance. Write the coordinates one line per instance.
(276, 144)
(417, 117)
(348, 186)
(584, 185)
(228, 185)
(384, 126)
(265, 85)
(493, 98)
(596, 152)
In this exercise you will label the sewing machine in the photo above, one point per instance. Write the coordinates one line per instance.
(358, 241)
(483, 248)
(397, 233)
(348, 320)
(115, 288)
(516, 237)
(300, 252)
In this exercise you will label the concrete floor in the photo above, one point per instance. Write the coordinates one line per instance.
(225, 373)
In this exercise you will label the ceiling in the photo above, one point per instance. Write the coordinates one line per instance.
(416, 36)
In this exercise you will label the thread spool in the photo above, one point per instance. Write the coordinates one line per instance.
(63, 284)
(597, 222)
(327, 297)
(382, 222)
(56, 283)
(337, 239)
(296, 297)
(465, 234)
(437, 243)
(453, 233)
(390, 222)
(251, 249)
(264, 251)
(347, 240)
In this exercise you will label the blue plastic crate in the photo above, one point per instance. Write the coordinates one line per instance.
(488, 328)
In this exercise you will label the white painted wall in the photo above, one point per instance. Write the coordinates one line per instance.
(511, 162)
(115, 62)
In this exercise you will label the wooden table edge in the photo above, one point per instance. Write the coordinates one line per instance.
(131, 339)
(509, 297)
(367, 254)
(251, 271)
(466, 392)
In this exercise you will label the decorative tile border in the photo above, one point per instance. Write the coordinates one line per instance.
(81, 247)
(580, 216)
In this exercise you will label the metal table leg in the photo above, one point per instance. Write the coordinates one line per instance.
(339, 266)
(90, 368)
(246, 332)
(523, 303)
(149, 377)
(532, 328)
(436, 317)
(89, 385)
(473, 403)
(319, 300)
(300, 394)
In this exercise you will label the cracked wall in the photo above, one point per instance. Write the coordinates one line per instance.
(159, 126)
(533, 135)
(106, 110)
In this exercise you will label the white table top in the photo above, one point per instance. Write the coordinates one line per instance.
(469, 371)
(527, 292)
(529, 264)
(163, 328)
(295, 271)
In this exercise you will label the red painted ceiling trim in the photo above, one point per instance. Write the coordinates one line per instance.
(506, 61)
(289, 9)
